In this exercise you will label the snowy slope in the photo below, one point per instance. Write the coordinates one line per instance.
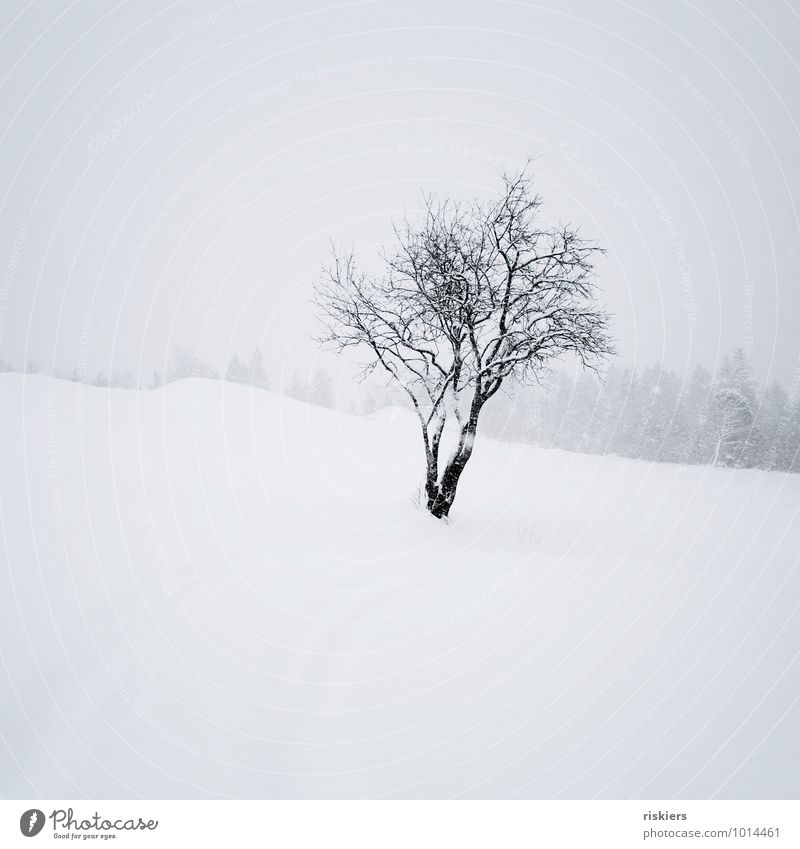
(214, 591)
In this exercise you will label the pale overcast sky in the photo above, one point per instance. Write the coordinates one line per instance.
(172, 173)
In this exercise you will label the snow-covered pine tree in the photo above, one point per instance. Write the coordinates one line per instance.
(658, 400)
(528, 412)
(617, 417)
(296, 388)
(186, 363)
(733, 420)
(258, 375)
(606, 414)
(791, 461)
(774, 422)
(122, 379)
(667, 434)
(320, 390)
(237, 371)
(576, 434)
(638, 410)
(369, 405)
(738, 442)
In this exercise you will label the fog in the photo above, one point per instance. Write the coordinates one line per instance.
(173, 174)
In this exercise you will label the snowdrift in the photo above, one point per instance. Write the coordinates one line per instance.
(214, 591)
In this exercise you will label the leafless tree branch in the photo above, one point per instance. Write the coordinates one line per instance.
(472, 295)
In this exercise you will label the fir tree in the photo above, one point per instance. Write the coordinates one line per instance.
(297, 388)
(259, 377)
(320, 392)
(237, 371)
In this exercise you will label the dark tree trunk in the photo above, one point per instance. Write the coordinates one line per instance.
(445, 493)
(442, 495)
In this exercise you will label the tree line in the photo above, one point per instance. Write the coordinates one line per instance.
(184, 363)
(724, 419)
(721, 419)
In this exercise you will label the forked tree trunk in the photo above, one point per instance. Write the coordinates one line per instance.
(442, 494)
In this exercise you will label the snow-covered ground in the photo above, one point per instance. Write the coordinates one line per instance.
(209, 590)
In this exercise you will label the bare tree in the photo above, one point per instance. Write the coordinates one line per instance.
(473, 294)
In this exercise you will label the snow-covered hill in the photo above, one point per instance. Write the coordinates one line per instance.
(213, 591)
